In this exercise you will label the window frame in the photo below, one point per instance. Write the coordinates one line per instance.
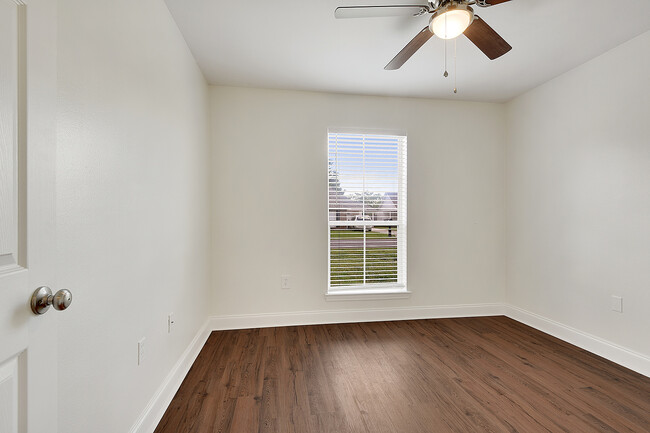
(393, 290)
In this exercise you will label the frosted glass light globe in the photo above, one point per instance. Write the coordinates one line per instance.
(451, 23)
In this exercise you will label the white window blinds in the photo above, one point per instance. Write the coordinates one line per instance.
(367, 212)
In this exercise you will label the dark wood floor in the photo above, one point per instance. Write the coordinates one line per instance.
(488, 374)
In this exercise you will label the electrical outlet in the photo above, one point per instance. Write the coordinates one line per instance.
(617, 303)
(285, 282)
(141, 351)
(170, 323)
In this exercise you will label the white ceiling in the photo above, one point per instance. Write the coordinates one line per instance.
(298, 44)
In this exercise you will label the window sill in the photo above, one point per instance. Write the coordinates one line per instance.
(367, 295)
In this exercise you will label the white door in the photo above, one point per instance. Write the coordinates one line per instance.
(28, 343)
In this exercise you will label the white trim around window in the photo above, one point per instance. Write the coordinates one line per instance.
(366, 215)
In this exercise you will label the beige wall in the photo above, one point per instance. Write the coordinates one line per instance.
(269, 198)
(578, 213)
(132, 225)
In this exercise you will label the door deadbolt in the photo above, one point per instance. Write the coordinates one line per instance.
(42, 298)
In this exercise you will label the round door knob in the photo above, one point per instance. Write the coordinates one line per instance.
(62, 299)
(42, 299)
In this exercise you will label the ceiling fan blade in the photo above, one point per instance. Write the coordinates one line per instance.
(486, 3)
(486, 39)
(409, 49)
(381, 11)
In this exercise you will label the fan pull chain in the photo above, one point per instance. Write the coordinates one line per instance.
(455, 67)
(446, 74)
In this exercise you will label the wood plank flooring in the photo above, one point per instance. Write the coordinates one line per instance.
(488, 374)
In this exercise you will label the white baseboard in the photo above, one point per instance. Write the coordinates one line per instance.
(608, 350)
(152, 414)
(246, 321)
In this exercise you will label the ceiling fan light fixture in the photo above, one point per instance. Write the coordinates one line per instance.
(451, 21)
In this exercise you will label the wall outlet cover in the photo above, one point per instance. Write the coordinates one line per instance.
(141, 351)
(617, 303)
(170, 322)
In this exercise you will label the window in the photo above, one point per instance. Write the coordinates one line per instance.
(367, 213)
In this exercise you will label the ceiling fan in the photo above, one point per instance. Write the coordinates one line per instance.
(449, 19)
